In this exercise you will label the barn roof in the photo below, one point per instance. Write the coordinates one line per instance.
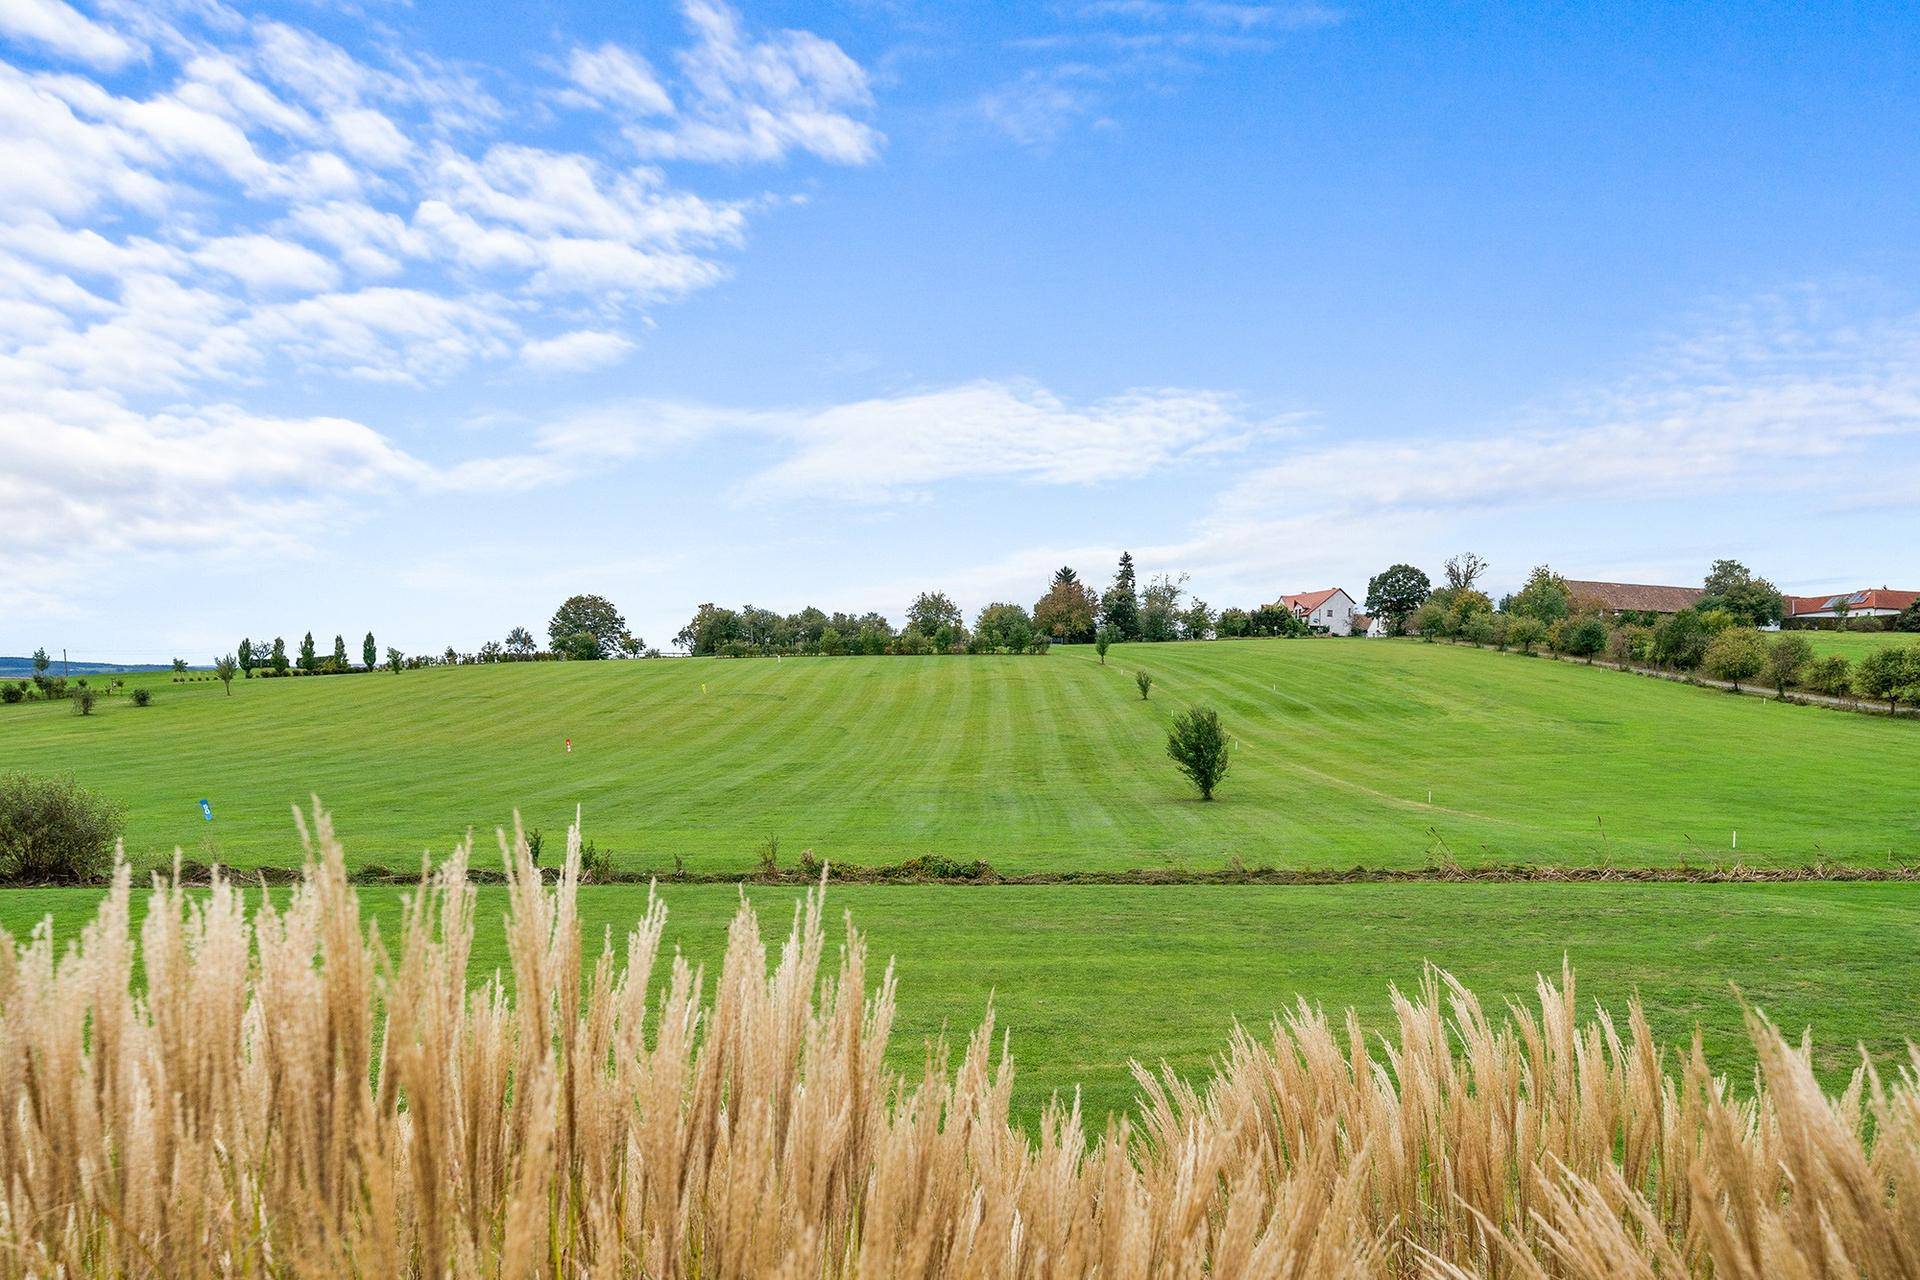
(1635, 597)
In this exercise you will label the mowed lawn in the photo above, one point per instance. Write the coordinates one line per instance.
(1086, 977)
(1047, 763)
(1854, 645)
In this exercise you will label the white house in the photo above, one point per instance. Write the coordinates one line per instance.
(1332, 611)
(1814, 610)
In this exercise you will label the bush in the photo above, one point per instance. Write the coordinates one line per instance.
(1736, 655)
(12, 693)
(1787, 659)
(143, 697)
(1198, 745)
(1831, 675)
(1144, 682)
(1526, 632)
(54, 830)
(83, 700)
(1583, 637)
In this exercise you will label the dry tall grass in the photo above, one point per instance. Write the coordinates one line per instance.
(288, 1096)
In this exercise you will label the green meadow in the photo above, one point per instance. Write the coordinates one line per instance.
(1854, 644)
(1347, 753)
(1082, 978)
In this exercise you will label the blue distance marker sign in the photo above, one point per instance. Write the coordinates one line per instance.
(206, 810)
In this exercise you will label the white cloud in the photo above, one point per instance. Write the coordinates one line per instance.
(614, 77)
(758, 100)
(367, 135)
(60, 28)
(885, 448)
(87, 477)
(576, 352)
(268, 263)
(896, 447)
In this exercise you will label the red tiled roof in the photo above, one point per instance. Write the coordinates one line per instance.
(1637, 597)
(1882, 598)
(1309, 600)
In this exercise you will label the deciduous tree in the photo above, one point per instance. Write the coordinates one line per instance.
(1395, 592)
(1736, 655)
(1198, 744)
(594, 617)
(1787, 659)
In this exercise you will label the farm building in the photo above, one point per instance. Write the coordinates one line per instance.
(1880, 603)
(1633, 597)
(1332, 611)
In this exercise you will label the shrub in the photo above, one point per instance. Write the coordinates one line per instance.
(1680, 640)
(52, 829)
(1831, 675)
(143, 697)
(1143, 682)
(1787, 659)
(1735, 655)
(12, 693)
(1892, 674)
(1526, 632)
(83, 700)
(1583, 637)
(1198, 745)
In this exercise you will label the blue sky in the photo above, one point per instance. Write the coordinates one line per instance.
(419, 318)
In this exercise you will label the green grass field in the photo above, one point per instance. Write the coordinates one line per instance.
(1032, 763)
(1854, 644)
(1085, 977)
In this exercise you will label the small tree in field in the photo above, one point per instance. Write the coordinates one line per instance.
(1831, 675)
(1526, 632)
(368, 654)
(395, 659)
(1198, 745)
(226, 668)
(1102, 643)
(1735, 655)
(83, 700)
(1787, 659)
(1144, 681)
(1585, 637)
(1888, 673)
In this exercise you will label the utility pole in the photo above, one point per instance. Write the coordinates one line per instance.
(65, 671)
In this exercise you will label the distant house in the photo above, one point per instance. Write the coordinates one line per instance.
(1332, 611)
(1633, 597)
(1880, 603)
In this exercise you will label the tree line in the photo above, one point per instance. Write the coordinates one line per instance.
(1068, 612)
(1721, 636)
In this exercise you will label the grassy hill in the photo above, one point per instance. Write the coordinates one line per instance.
(1033, 763)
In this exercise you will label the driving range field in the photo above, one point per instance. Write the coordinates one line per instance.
(1054, 764)
(1383, 754)
(1084, 977)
